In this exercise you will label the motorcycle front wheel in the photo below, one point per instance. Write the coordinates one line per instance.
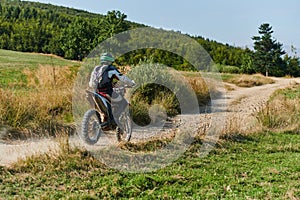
(91, 127)
(125, 131)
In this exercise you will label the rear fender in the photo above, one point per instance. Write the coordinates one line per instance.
(98, 102)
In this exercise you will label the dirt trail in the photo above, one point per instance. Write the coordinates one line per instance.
(244, 103)
(239, 105)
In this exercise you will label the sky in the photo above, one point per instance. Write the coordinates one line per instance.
(233, 22)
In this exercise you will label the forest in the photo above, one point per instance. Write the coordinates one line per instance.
(70, 33)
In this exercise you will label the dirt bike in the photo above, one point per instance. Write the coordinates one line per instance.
(96, 121)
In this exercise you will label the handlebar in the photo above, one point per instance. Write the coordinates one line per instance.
(123, 87)
(121, 84)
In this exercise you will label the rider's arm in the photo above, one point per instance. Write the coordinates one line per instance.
(92, 79)
(120, 77)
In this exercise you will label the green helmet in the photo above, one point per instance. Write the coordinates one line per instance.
(106, 57)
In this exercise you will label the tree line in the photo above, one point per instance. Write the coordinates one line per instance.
(73, 34)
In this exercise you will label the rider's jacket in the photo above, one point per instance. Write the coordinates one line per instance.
(102, 78)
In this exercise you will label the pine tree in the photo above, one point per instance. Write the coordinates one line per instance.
(267, 56)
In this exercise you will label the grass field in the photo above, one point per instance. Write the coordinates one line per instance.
(260, 166)
(35, 92)
(13, 64)
(257, 166)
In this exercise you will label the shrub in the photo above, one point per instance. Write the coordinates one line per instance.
(159, 85)
(228, 69)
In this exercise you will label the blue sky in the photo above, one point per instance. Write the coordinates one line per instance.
(227, 21)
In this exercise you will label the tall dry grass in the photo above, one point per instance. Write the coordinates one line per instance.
(250, 80)
(282, 111)
(203, 91)
(43, 105)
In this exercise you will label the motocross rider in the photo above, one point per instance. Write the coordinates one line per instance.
(102, 80)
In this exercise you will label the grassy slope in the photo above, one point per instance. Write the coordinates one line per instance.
(13, 63)
(257, 167)
(31, 85)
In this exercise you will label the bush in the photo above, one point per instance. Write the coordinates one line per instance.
(148, 96)
(159, 85)
(229, 69)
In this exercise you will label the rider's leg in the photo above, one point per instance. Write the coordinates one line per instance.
(120, 108)
(119, 105)
(110, 113)
(110, 109)
(117, 113)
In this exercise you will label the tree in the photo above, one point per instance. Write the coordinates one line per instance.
(247, 62)
(77, 39)
(267, 56)
(113, 23)
(293, 63)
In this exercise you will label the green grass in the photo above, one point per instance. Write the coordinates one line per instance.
(261, 166)
(227, 77)
(12, 65)
(15, 59)
(291, 93)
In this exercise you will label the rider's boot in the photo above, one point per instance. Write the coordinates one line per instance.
(113, 124)
(119, 133)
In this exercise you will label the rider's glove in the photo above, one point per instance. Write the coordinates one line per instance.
(133, 83)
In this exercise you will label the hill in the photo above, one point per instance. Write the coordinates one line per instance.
(44, 28)
(14, 65)
(72, 33)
